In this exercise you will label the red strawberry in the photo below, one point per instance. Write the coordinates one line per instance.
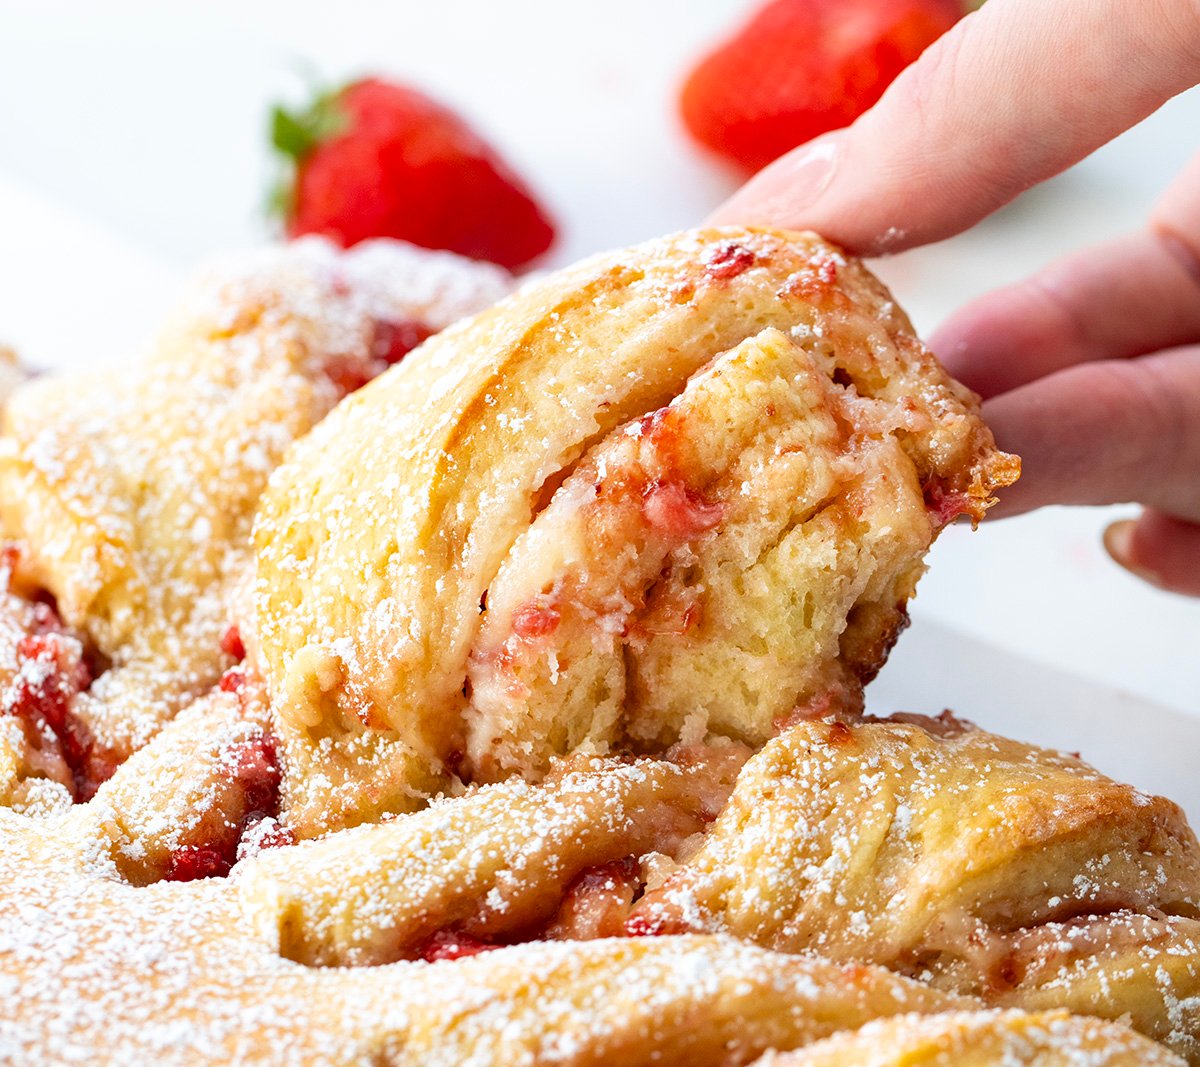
(381, 160)
(800, 68)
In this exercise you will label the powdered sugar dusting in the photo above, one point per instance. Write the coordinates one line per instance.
(190, 982)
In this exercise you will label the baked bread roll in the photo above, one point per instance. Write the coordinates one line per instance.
(468, 867)
(1141, 968)
(986, 866)
(130, 496)
(675, 492)
(174, 974)
(43, 666)
(185, 806)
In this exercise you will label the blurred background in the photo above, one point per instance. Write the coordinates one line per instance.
(133, 143)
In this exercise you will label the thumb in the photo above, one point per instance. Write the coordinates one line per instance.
(1015, 93)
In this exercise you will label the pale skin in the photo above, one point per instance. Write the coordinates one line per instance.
(1090, 369)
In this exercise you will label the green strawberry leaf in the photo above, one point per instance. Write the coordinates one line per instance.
(291, 134)
(326, 118)
(296, 133)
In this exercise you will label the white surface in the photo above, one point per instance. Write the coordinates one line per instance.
(73, 293)
(144, 122)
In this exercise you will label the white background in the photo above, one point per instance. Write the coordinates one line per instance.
(132, 143)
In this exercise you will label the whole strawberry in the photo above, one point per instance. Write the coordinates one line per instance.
(377, 159)
(799, 68)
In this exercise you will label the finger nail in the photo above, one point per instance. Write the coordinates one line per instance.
(1118, 543)
(780, 194)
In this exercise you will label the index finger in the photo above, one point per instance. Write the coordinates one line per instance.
(1014, 94)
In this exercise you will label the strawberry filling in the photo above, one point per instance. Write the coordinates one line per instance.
(261, 834)
(452, 945)
(656, 425)
(190, 862)
(232, 645)
(232, 681)
(946, 505)
(391, 340)
(531, 622)
(395, 338)
(254, 765)
(814, 282)
(248, 782)
(728, 260)
(824, 705)
(534, 620)
(597, 902)
(51, 671)
(668, 612)
(649, 922)
(677, 511)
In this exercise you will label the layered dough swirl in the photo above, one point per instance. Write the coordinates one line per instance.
(507, 710)
(676, 492)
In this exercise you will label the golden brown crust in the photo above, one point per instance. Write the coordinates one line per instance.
(724, 539)
(471, 864)
(986, 866)
(981, 1039)
(180, 974)
(704, 999)
(878, 840)
(1141, 968)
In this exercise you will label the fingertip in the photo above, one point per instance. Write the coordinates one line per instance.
(786, 193)
(1159, 549)
(1011, 336)
(1118, 543)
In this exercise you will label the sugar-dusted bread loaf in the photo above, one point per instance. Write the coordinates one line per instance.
(601, 543)
(985, 866)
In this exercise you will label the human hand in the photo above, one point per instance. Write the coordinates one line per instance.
(1090, 370)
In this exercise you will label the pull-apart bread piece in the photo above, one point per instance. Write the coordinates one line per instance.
(673, 493)
(173, 974)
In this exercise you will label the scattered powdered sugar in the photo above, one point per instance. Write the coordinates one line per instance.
(1001, 1038)
(173, 974)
